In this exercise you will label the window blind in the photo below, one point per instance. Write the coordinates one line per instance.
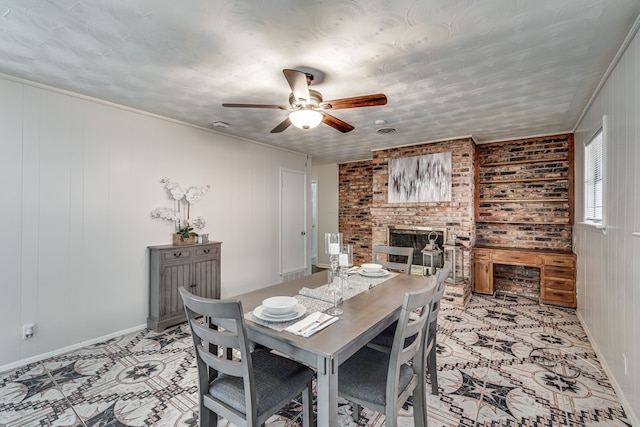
(594, 151)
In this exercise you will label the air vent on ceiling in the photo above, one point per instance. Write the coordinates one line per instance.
(386, 130)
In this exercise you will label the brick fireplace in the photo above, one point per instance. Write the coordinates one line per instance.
(365, 214)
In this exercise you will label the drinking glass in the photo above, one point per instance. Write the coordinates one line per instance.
(345, 261)
(336, 292)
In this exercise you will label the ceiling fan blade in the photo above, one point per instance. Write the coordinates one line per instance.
(299, 84)
(282, 126)
(255, 106)
(336, 123)
(356, 101)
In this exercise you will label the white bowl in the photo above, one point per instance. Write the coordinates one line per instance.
(279, 305)
(371, 268)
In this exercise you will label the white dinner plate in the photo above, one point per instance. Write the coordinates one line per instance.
(298, 311)
(380, 273)
(270, 315)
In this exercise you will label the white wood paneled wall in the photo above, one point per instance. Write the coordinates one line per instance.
(609, 260)
(80, 178)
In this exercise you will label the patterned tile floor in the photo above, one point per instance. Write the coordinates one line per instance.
(502, 361)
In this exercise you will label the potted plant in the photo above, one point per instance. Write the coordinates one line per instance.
(181, 213)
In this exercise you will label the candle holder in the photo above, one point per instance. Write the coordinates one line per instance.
(332, 246)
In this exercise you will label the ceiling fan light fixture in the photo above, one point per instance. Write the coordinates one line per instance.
(305, 118)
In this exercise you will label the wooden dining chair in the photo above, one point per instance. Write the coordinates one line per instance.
(379, 252)
(384, 341)
(383, 381)
(246, 391)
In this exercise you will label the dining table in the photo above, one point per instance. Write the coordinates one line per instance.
(364, 316)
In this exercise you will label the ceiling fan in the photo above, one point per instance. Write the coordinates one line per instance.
(308, 110)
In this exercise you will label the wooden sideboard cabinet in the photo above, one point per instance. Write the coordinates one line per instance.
(196, 267)
(557, 271)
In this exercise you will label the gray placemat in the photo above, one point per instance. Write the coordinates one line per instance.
(361, 283)
(311, 304)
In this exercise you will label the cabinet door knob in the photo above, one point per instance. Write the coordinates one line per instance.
(206, 251)
(192, 286)
(177, 255)
(302, 233)
(486, 268)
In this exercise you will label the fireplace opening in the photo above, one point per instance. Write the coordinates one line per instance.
(418, 238)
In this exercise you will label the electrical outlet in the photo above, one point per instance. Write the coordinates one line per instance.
(624, 363)
(28, 330)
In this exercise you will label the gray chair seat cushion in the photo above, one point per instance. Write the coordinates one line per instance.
(276, 377)
(363, 375)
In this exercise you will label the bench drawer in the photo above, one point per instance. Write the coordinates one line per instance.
(482, 256)
(559, 272)
(562, 261)
(558, 285)
(517, 258)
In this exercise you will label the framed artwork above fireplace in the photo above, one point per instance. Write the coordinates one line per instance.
(424, 178)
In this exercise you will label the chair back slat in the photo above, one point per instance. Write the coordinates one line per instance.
(220, 364)
(379, 250)
(220, 337)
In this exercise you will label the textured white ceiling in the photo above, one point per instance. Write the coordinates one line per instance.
(494, 69)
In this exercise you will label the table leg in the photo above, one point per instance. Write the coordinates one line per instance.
(327, 392)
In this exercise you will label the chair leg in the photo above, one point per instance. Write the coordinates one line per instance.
(207, 417)
(391, 417)
(307, 406)
(356, 412)
(420, 405)
(433, 369)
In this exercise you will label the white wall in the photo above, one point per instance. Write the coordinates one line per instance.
(609, 261)
(79, 179)
(327, 178)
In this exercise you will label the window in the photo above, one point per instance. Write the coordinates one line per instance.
(593, 185)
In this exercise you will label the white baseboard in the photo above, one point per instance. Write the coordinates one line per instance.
(633, 417)
(43, 356)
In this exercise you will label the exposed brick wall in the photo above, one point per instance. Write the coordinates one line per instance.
(365, 214)
(529, 214)
(355, 187)
(517, 279)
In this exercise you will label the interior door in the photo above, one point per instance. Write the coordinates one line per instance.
(293, 221)
(314, 222)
